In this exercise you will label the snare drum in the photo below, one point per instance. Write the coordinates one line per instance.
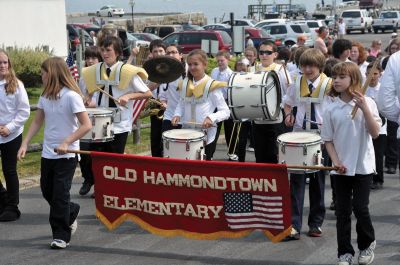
(301, 149)
(254, 96)
(102, 126)
(184, 144)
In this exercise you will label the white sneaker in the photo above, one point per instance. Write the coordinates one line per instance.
(58, 244)
(250, 149)
(366, 256)
(74, 226)
(345, 259)
(233, 157)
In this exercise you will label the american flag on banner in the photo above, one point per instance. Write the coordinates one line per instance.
(138, 105)
(244, 210)
(72, 66)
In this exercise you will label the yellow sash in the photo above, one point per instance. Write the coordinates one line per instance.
(127, 73)
(197, 90)
(269, 68)
(305, 92)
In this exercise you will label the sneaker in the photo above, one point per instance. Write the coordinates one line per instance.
(86, 186)
(58, 244)
(374, 186)
(233, 157)
(294, 235)
(391, 170)
(345, 259)
(9, 215)
(315, 232)
(250, 149)
(366, 256)
(74, 224)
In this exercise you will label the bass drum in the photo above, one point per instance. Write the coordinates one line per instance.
(254, 96)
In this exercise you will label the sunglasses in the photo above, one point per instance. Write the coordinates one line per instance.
(265, 52)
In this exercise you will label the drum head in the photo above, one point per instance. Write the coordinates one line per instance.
(299, 138)
(272, 95)
(183, 134)
(98, 111)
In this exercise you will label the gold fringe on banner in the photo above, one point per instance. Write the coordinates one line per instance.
(187, 234)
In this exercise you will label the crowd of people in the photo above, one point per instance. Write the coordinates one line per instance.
(319, 88)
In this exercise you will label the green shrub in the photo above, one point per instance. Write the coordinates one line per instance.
(26, 63)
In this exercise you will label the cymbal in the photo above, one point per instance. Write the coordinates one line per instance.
(163, 69)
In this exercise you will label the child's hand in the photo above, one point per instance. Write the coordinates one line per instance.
(340, 168)
(175, 120)
(359, 99)
(207, 123)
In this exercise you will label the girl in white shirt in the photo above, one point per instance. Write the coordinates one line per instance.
(14, 112)
(192, 109)
(60, 107)
(349, 145)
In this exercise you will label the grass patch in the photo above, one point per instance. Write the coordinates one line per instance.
(30, 166)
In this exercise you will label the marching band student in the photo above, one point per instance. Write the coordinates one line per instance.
(266, 132)
(380, 141)
(311, 84)
(223, 73)
(199, 99)
(92, 56)
(157, 48)
(355, 165)
(126, 85)
(170, 95)
(14, 112)
(60, 107)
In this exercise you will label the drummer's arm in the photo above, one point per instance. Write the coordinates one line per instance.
(223, 111)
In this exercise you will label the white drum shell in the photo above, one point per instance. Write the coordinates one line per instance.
(184, 144)
(247, 99)
(300, 148)
(102, 126)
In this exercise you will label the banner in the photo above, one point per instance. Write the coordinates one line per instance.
(191, 198)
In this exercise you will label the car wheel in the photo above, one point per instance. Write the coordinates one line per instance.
(109, 14)
(395, 28)
(370, 29)
(375, 31)
(98, 13)
(347, 31)
(121, 15)
(289, 43)
(363, 30)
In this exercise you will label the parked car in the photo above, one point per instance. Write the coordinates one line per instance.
(109, 11)
(265, 22)
(357, 19)
(242, 22)
(288, 33)
(162, 30)
(313, 25)
(217, 26)
(73, 36)
(191, 27)
(190, 40)
(145, 36)
(388, 20)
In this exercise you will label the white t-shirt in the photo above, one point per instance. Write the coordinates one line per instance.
(224, 76)
(352, 141)
(60, 121)
(14, 111)
(372, 92)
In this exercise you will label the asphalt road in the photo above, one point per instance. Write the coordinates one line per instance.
(26, 241)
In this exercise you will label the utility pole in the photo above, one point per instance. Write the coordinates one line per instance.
(132, 4)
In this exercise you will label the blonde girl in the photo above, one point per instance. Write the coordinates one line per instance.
(65, 120)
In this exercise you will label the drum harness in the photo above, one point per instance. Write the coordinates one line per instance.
(108, 84)
(194, 101)
(311, 100)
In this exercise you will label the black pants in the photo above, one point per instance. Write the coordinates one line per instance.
(265, 136)
(117, 145)
(316, 195)
(9, 198)
(391, 152)
(55, 183)
(379, 147)
(352, 194)
(155, 136)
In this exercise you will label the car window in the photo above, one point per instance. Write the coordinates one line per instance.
(297, 28)
(388, 15)
(190, 39)
(312, 24)
(263, 33)
(351, 14)
(172, 39)
(164, 31)
(278, 30)
(225, 37)
(241, 23)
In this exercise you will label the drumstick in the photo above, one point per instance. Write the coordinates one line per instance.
(81, 152)
(312, 167)
(197, 123)
(286, 75)
(365, 86)
(313, 122)
(108, 94)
